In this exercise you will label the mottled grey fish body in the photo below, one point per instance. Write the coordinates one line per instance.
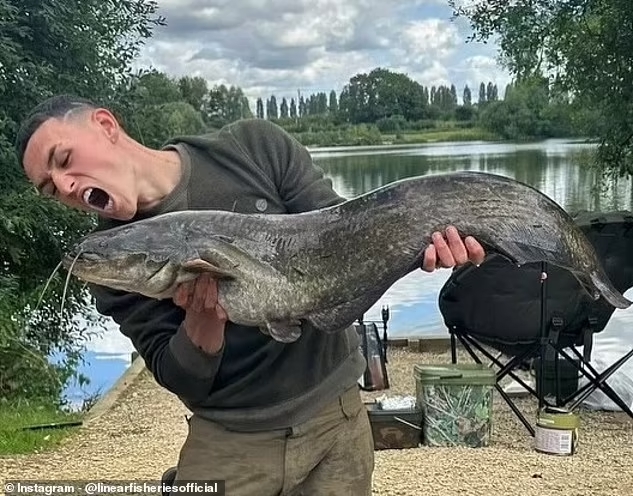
(328, 267)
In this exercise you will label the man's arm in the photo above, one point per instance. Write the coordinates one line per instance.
(157, 332)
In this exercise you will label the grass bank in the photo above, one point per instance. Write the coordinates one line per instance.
(440, 135)
(364, 135)
(29, 428)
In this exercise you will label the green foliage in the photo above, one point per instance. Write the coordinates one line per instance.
(48, 47)
(396, 104)
(30, 250)
(194, 91)
(380, 94)
(391, 124)
(584, 47)
(359, 135)
(528, 112)
(457, 415)
(224, 105)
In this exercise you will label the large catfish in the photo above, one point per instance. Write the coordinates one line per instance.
(327, 267)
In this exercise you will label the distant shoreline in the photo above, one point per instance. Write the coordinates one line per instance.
(346, 138)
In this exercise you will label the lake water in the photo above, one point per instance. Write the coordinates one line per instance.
(552, 166)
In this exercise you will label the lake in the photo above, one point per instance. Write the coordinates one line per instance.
(552, 166)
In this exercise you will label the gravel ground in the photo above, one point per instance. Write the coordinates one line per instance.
(142, 435)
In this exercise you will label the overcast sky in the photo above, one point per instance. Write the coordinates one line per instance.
(280, 46)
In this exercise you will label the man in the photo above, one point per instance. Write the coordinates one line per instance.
(269, 418)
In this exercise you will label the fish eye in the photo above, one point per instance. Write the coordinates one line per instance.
(103, 243)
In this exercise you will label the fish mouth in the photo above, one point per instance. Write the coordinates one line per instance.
(71, 259)
(97, 198)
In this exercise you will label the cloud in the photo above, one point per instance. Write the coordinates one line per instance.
(429, 39)
(280, 46)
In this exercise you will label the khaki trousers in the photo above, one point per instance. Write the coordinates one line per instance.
(330, 454)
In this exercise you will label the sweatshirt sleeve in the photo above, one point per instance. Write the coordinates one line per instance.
(301, 183)
(156, 331)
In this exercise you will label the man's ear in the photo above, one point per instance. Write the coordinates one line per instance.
(108, 123)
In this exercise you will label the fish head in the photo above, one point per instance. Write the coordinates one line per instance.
(136, 257)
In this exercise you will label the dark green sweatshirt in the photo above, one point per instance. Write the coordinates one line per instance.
(253, 382)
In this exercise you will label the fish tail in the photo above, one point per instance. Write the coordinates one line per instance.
(613, 296)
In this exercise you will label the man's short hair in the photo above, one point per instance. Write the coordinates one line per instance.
(54, 107)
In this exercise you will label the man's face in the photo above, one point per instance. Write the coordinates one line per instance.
(81, 162)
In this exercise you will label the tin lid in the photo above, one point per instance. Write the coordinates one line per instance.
(557, 418)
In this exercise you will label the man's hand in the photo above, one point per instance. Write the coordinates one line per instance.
(205, 318)
(455, 252)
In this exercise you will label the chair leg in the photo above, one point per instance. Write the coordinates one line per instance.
(453, 349)
(507, 368)
(515, 409)
(599, 382)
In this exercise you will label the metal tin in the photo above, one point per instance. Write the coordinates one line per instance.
(556, 432)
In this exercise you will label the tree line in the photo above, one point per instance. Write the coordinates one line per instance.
(370, 104)
(367, 96)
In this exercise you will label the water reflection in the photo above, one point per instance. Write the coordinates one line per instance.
(553, 166)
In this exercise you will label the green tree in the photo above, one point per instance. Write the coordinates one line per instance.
(194, 91)
(155, 124)
(161, 106)
(273, 110)
(293, 108)
(302, 107)
(584, 46)
(156, 88)
(313, 105)
(226, 104)
(322, 103)
(283, 108)
(48, 47)
(528, 111)
(482, 93)
(467, 98)
(333, 104)
(490, 92)
(453, 94)
(381, 93)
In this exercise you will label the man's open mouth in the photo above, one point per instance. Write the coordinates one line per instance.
(96, 197)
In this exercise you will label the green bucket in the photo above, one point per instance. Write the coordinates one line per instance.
(456, 403)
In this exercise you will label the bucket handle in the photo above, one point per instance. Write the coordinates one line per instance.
(448, 375)
(407, 423)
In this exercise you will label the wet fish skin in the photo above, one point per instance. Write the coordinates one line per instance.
(327, 267)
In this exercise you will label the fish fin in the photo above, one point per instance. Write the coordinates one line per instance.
(283, 331)
(595, 285)
(520, 253)
(202, 266)
(342, 316)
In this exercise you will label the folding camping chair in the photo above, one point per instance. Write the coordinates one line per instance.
(528, 317)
